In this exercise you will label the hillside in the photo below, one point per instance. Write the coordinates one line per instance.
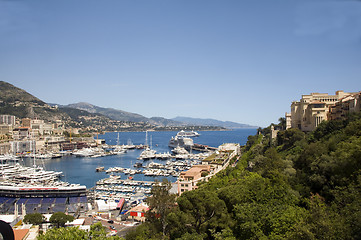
(211, 122)
(17, 102)
(296, 186)
(109, 112)
(11, 94)
(85, 116)
(120, 115)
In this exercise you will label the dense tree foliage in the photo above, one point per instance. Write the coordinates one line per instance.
(299, 186)
(160, 203)
(34, 218)
(59, 219)
(97, 232)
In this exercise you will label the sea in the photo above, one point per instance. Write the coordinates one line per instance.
(81, 170)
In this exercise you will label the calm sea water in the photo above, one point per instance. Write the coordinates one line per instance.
(82, 169)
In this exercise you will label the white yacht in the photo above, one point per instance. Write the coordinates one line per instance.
(181, 141)
(179, 150)
(147, 154)
(85, 152)
(183, 133)
(20, 181)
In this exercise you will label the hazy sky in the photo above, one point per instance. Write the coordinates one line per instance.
(242, 61)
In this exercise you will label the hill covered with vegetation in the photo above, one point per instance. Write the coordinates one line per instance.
(297, 186)
(87, 117)
(17, 102)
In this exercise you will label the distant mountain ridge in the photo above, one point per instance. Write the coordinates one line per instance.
(211, 122)
(18, 102)
(159, 121)
(112, 113)
(121, 115)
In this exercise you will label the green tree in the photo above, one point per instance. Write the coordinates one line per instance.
(204, 211)
(347, 204)
(282, 123)
(34, 218)
(145, 231)
(69, 233)
(289, 137)
(60, 218)
(97, 232)
(160, 204)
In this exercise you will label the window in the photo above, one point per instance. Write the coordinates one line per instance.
(318, 105)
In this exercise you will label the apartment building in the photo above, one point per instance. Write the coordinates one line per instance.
(312, 109)
(4, 148)
(210, 166)
(8, 119)
(345, 106)
(22, 146)
(5, 129)
(22, 133)
(188, 180)
(26, 122)
(39, 127)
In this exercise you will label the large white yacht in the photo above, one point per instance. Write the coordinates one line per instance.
(187, 143)
(20, 181)
(183, 133)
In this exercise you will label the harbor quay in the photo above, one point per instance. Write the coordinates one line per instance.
(118, 200)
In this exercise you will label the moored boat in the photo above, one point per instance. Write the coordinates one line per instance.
(183, 133)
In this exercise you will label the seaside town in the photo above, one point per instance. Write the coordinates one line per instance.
(180, 120)
(117, 203)
(120, 203)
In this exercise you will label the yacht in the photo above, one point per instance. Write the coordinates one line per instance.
(181, 141)
(183, 133)
(179, 150)
(21, 181)
(85, 152)
(147, 154)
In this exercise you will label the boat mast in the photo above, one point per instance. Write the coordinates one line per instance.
(34, 166)
(146, 138)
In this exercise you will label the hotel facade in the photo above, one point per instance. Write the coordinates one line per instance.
(314, 108)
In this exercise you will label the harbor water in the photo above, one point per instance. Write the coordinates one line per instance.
(81, 170)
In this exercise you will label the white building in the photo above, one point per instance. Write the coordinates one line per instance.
(7, 119)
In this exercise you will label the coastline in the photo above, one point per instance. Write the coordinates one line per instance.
(175, 130)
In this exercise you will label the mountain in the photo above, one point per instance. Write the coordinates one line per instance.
(166, 122)
(120, 115)
(11, 94)
(112, 113)
(211, 122)
(17, 102)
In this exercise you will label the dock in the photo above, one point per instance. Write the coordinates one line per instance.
(203, 148)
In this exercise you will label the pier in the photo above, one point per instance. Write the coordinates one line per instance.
(202, 148)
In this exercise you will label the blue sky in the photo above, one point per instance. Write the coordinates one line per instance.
(241, 61)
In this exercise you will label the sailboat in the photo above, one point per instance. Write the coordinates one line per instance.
(119, 149)
(147, 153)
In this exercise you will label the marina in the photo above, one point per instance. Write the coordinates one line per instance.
(82, 170)
(108, 182)
(70, 181)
